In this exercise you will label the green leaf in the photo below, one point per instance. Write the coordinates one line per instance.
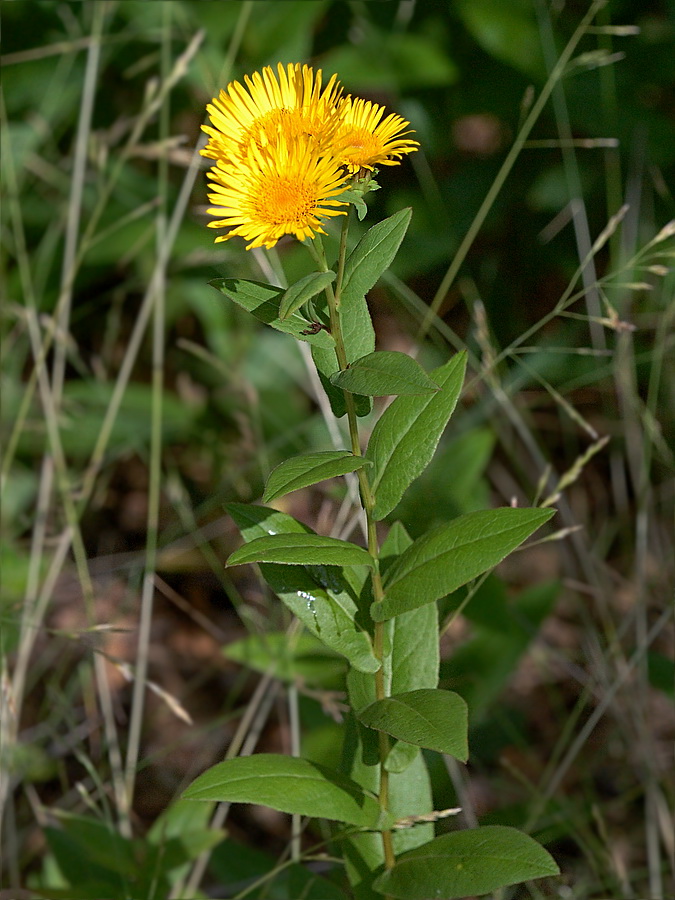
(356, 199)
(434, 498)
(407, 434)
(320, 596)
(301, 550)
(263, 301)
(368, 260)
(465, 863)
(451, 555)
(373, 255)
(177, 819)
(400, 756)
(257, 521)
(433, 719)
(310, 468)
(289, 784)
(302, 291)
(99, 842)
(414, 659)
(385, 372)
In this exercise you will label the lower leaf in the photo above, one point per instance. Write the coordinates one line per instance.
(289, 784)
(430, 718)
(466, 863)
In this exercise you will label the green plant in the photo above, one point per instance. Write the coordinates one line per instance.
(564, 659)
(374, 606)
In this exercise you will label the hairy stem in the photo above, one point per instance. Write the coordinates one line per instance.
(368, 503)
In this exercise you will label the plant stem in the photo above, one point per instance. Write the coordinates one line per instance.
(368, 503)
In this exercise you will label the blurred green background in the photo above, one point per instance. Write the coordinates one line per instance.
(564, 655)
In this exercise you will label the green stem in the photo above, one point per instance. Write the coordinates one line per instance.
(368, 502)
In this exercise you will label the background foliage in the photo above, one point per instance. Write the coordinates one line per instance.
(163, 402)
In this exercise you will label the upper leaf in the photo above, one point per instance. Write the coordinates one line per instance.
(385, 372)
(302, 291)
(289, 784)
(310, 468)
(374, 254)
(367, 261)
(465, 863)
(301, 550)
(257, 521)
(407, 434)
(450, 555)
(434, 719)
(263, 300)
(320, 596)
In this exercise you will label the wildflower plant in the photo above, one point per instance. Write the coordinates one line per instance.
(289, 157)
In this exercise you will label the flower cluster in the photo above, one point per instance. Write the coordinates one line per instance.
(285, 149)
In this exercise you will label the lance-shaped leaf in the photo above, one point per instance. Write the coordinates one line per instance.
(289, 784)
(407, 434)
(433, 719)
(310, 468)
(262, 301)
(320, 596)
(385, 372)
(374, 253)
(301, 550)
(449, 556)
(465, 863)
(368, 260)
(302, 291)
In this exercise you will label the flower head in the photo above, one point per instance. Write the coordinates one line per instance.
(365, 140)
(285, 187)
(284, 149)
(292, 104)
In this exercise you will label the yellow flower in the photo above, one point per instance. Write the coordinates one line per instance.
(293, 103)
(282, 188)
(365, 140)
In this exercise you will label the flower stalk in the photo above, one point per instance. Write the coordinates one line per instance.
(368, 503)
